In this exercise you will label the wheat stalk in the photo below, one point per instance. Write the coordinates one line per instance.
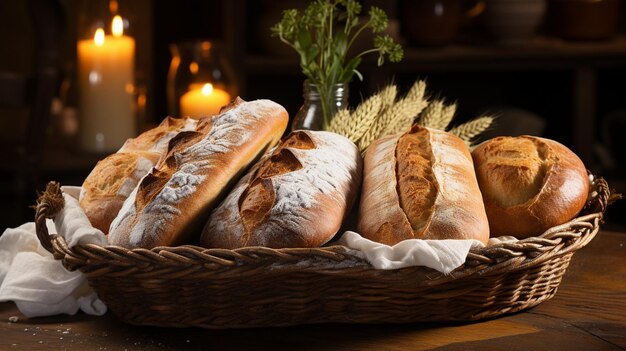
(354, 125)
(447, 114)
(416, 97)
(364, 116)
(407, 107)
(414, 106)
(437, 115)
(388, 97)
(469, 130)
(381, 115)
(340, 122)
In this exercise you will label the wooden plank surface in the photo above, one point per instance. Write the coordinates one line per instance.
(587, 313)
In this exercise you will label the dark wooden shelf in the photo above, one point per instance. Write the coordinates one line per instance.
(539, 53)
(581, 60)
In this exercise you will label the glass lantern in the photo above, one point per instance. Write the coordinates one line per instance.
(200, 80)
(106, 75)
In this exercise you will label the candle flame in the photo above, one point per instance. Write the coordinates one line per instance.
(193, 67)
(98, 38)
(207, 89)
(117, 26)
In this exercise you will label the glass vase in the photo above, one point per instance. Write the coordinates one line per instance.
(314, 113)
(200, 79)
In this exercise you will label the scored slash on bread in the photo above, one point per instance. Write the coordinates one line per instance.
(420, 185)
(113, 179)
(296, 196)
(170, 203)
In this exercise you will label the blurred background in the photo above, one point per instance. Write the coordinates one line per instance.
(555, 68)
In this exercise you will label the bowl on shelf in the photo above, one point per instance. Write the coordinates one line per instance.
(513, 22)
(435, 22)
(585, 19)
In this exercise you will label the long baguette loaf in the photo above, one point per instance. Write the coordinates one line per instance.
(113, 179)
(420, 185)
(172, 201)
(297, 196)
(529, 184)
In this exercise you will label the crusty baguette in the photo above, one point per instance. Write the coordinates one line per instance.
(170, 203)
(420, 185)
(529, 184)
(297, 196)
(157, 139)
(113, 179)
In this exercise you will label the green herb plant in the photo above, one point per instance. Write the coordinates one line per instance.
(323, 35)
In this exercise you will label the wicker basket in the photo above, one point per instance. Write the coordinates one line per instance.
(189, 286)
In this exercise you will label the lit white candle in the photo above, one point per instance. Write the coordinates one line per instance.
(106, 66)
(203, 100)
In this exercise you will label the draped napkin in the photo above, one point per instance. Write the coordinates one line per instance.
(31, 277)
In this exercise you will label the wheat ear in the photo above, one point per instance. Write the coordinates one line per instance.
(405, 110)
(436, 115)
(388, 98)
(447, 115)
(417, 96)
(354, 125)
(340, 122)
(364, 116)
(469, 130)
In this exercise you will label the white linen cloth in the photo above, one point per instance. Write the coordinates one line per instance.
(441, 255)
(31, 277)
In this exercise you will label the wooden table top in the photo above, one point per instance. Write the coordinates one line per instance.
(587, 313)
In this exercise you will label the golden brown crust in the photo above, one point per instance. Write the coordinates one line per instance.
(529, 184)
(417, 185)
(151, 139)
(255, 205)
(114, 178)
(297, 196)
(199, 168)
(110, 182)
(420, 185)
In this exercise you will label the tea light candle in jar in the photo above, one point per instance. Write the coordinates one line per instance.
(203, 100)
(106, 66)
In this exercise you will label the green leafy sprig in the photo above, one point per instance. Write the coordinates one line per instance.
(323, 35)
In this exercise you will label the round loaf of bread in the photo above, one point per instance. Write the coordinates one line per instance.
(173, 201)
(297, 196)
(529, 184)
(420, 185)
(113, 179)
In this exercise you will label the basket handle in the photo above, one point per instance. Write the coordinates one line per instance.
(49, 203)
(604, 194)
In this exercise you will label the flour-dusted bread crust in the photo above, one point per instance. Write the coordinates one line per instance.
(529, 184)
(171, 203)
(297, 196)
(113, 179)
(157, 139)
(420, 185)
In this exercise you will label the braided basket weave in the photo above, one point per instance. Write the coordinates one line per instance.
(189, 286)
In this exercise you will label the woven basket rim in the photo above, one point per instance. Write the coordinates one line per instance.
(95, 260)
(260, 286)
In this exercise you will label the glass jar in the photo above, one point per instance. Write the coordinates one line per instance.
(200, 79)
(106, 75)
(314, 114)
